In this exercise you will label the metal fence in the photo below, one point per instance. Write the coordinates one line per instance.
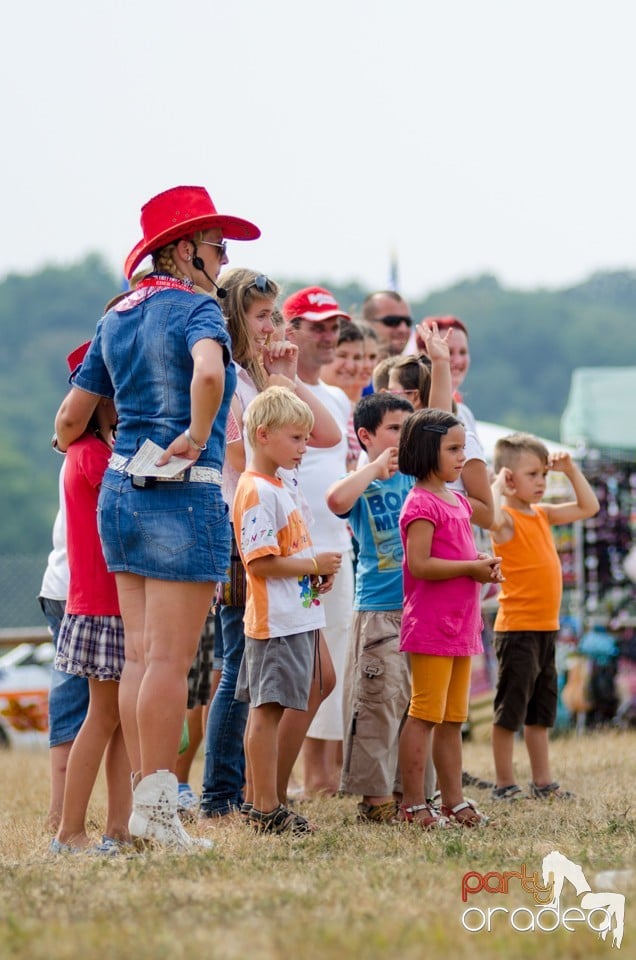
(20, 581)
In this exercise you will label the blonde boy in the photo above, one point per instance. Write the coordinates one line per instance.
(528, 618)
(284, 583)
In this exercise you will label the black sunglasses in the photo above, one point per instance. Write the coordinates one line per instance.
(393, 321)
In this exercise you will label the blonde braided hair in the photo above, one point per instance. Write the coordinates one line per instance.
(163, 262)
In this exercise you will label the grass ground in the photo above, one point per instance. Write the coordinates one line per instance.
(349, 891)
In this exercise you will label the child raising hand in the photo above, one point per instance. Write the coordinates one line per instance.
(527, 620)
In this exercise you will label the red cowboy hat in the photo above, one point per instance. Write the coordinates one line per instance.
(178, 212)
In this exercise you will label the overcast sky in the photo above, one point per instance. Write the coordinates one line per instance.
(469, 136)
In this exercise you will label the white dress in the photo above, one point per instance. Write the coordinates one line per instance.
(320, 468)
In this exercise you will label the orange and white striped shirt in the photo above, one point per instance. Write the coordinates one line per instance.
(267, 522)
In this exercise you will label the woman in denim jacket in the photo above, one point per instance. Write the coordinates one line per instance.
(163, 353)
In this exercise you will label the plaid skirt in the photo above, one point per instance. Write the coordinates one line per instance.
(200, 676)
(91, 647)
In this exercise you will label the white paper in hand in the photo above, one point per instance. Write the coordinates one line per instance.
(143, 464)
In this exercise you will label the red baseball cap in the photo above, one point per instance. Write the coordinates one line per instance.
(312, 303)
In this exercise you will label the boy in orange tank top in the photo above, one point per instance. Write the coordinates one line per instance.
(527, 621)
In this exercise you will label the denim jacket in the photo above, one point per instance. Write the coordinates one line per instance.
(141, 357)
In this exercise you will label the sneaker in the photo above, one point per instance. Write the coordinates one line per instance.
(187, 802)
(510, 793)
(549, 792)
(110, 847)
(56, 846)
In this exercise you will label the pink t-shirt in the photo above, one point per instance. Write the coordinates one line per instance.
(441, 617)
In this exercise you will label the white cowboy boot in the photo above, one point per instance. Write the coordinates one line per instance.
(154, 816)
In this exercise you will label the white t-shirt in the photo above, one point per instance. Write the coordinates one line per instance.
(473, 448)
(268, 523)
(245, 391)
(56, 576)
(467, 417)
(322, 466)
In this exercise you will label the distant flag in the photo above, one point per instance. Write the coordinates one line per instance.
(393, 271)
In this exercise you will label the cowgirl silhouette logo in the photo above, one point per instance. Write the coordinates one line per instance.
(603, 911)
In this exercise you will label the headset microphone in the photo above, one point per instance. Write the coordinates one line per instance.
(198, 264)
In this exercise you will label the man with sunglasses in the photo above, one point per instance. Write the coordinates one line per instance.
(389, 315)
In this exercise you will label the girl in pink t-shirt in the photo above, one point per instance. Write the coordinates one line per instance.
(441, 624)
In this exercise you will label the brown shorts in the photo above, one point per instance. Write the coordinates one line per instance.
(376, 695)
(526, 679)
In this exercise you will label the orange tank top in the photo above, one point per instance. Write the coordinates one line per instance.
(530, 597)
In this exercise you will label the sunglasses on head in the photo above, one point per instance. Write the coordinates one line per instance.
(393, 321)
(263, 284)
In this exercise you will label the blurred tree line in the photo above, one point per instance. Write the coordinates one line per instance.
(524, 346)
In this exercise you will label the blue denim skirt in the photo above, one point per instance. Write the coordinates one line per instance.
(172, 531)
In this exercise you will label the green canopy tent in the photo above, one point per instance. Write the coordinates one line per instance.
(600, 420)
(600, 413)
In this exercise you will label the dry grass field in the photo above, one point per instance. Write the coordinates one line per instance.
(349, 891)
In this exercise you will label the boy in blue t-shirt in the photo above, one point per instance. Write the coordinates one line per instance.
(377, 680)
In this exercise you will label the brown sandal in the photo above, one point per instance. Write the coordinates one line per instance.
(377, 812)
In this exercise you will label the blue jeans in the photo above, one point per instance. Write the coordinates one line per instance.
(224, 765)
(68, 694)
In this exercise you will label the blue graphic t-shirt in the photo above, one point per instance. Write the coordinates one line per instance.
(374, 520)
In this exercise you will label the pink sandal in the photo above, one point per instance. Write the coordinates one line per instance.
(472, 816)
(432, 820)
